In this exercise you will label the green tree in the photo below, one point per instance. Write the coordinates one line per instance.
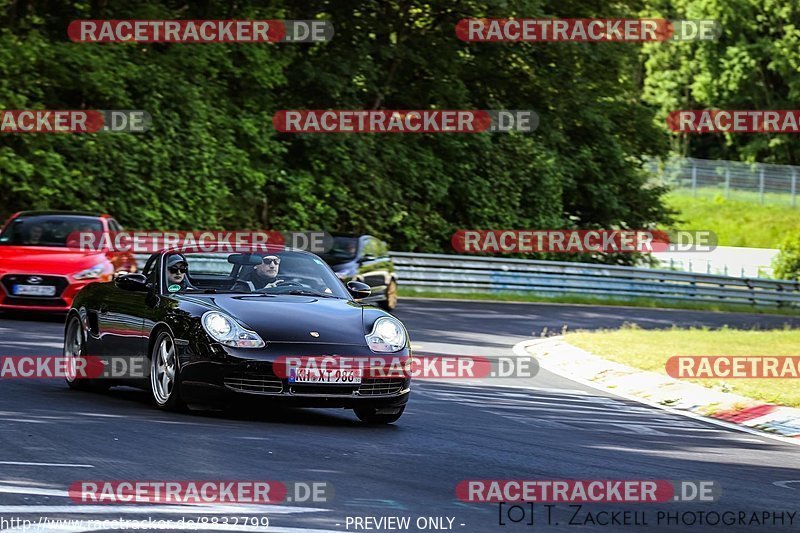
(212, 158)
(753, 65)
(787, 263)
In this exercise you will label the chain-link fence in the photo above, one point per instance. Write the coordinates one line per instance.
(733, 179)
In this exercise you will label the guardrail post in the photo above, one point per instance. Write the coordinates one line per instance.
(694, 179)
(761, 184)
(794, 188)
(727, 180)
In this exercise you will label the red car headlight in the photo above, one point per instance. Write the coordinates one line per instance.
(95, 272)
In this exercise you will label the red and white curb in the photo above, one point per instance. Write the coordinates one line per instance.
(659, 390)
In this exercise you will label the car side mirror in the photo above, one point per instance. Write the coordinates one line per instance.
(132, 282)
(358, 290)
(368, 257)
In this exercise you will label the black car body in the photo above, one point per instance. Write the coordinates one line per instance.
(139, 317)
(366, 259)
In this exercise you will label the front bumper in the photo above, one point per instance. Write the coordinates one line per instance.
(66, 289)
(226, 375)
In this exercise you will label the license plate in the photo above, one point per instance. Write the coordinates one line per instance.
(35, 290)
(335, 377)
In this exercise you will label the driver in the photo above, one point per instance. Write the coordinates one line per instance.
(177, 273)
(265, 275)
(35, 235)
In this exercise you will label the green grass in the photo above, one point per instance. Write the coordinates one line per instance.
(739, 220)
(593, 300)
(649, 350)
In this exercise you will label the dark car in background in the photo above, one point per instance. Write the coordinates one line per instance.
(366, 259)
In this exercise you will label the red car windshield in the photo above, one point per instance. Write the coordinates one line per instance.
(46, 230)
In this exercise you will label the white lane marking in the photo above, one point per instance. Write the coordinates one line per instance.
(156, 509)
(783, 484)
(129, 508)
(64, 465)
(10, 489)
(519, 349)
(38, 344)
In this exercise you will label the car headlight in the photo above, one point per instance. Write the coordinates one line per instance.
(227, 331)
(388, 335)
(91, 273)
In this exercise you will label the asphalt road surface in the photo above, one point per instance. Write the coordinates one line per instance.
(545, 428)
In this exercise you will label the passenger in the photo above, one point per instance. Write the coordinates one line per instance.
(178, 273)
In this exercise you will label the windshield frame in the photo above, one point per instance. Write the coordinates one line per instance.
(338, 290)
(338, 259)
(41, 220)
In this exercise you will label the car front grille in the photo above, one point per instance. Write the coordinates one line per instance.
(378, 386)
(325, 390)
(254, 383)
(60, 283)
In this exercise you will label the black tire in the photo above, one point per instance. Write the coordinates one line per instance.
(165, 374)
(390, 303)
(368, 415)
(74, 349)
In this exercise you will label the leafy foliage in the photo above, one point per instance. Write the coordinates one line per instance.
(212, 159)
(753, 65)
(787, 263)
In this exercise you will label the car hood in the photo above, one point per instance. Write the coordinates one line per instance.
(283, 318)
(46, 260)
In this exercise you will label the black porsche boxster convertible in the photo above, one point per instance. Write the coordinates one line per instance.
(208, 329)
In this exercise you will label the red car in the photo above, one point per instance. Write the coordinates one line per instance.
(38, 272)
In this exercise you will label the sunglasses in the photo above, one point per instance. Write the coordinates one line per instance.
(271, 261)
(176, 269)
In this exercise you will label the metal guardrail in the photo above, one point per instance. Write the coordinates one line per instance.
(458, 273)
(467, 274)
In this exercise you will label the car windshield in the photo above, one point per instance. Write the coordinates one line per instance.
(257, 272)
(46, 230)
(344, 249)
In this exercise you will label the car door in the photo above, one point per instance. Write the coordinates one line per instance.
(162, 308)
(121, 327)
